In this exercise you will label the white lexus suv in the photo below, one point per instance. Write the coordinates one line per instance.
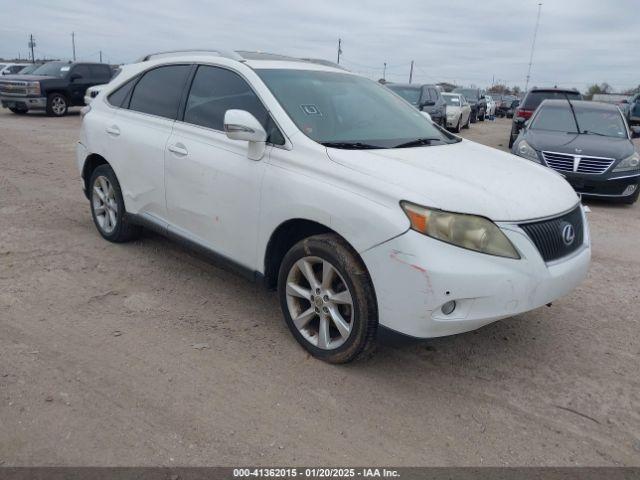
(364, 215)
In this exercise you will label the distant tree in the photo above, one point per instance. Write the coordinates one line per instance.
(596, 89)
(516, 90)
(632, 91)
(500, 89)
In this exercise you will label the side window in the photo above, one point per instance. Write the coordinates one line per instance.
(426, 95)
(159, 90)
(434, 94)
(100, 73)
(82, 70)
(214, 91)
(119, 96)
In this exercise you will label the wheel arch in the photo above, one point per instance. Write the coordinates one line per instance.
(92, 162)
(285, 236)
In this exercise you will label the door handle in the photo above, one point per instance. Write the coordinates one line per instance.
(113, 130)
(179, 149)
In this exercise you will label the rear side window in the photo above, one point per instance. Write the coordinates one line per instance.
(433, 93)
(214, 91)
(534, 99)
(100, 73)
(159, 90)
(83, 71)
(118, 97)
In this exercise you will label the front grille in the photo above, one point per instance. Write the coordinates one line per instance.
(564, 162)
(551, 237)
(13, 88)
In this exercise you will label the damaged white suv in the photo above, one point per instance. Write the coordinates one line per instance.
(332, 189)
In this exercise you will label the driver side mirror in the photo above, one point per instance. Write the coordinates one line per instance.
(75, 76)
(428, 103)
(241, 125)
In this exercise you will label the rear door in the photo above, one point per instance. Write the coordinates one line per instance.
(79, 80)
(137, 136)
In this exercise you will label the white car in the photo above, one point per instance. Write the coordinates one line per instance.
(491, 105)
(458, 111)
(12, 68)
(365, 216)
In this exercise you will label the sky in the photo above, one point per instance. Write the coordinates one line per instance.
(467, 42)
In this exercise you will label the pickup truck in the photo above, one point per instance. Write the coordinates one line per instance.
(53, 87)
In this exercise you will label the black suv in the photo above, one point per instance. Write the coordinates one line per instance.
(477, 102)
(424, 97)
(54, 87)
(530, 102)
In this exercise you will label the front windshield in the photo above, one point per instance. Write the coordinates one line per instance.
(52, 69)
(28, 69)
(453, 100)
(591, 121)
(348, 111)
(410, 94)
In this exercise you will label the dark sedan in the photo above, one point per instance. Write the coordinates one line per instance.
(586, 142)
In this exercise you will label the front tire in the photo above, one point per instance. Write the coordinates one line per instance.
(457, 127)
(57, 105)
(107, 207)
(328, 299)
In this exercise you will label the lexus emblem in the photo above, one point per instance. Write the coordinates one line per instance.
(568, 234)
(578, 150)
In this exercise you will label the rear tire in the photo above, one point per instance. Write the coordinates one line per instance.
(107, 207)
(328, 300)
(57, 105)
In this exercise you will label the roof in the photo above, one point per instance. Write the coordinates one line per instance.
(553, 89)
(582, 105)
(255, 59)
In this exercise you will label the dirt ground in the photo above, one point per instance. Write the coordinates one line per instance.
(98, 364)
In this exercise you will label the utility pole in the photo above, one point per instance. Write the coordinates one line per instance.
(73, 44)
(339, 49)
(32, 44)
(384, 71)
(100, 56)
(411, 72)
(533, 45)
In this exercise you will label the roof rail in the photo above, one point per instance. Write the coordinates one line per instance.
(219, 52)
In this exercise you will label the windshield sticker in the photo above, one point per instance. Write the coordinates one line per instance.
(64, 69)
(311, 110)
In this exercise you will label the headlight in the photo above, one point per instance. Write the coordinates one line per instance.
(525, 150)
(33, 88)
(466, 231)
(629, 163)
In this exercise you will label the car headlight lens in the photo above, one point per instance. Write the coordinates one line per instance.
(525, 150)
(467, 231)
(629, 163)
(33, 88)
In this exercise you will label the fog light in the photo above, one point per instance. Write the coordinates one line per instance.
(449, 307)
(630, 189)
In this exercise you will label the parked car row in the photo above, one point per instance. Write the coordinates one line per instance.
(53, 86)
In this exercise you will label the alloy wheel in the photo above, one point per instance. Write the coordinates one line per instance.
(319, 302)
(58, 105)
(105, 206)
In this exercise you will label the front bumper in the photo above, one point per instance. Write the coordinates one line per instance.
(20, 102)
(415, 275)
(614, 185)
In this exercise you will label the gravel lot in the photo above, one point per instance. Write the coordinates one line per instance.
(98, 365)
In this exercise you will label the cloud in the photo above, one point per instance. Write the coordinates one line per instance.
(467, 41)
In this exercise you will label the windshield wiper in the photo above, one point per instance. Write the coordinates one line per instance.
(589, 132)
(349, 145)
(418, 142)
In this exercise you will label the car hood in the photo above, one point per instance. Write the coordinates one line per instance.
(588, 145)
(466, 177)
